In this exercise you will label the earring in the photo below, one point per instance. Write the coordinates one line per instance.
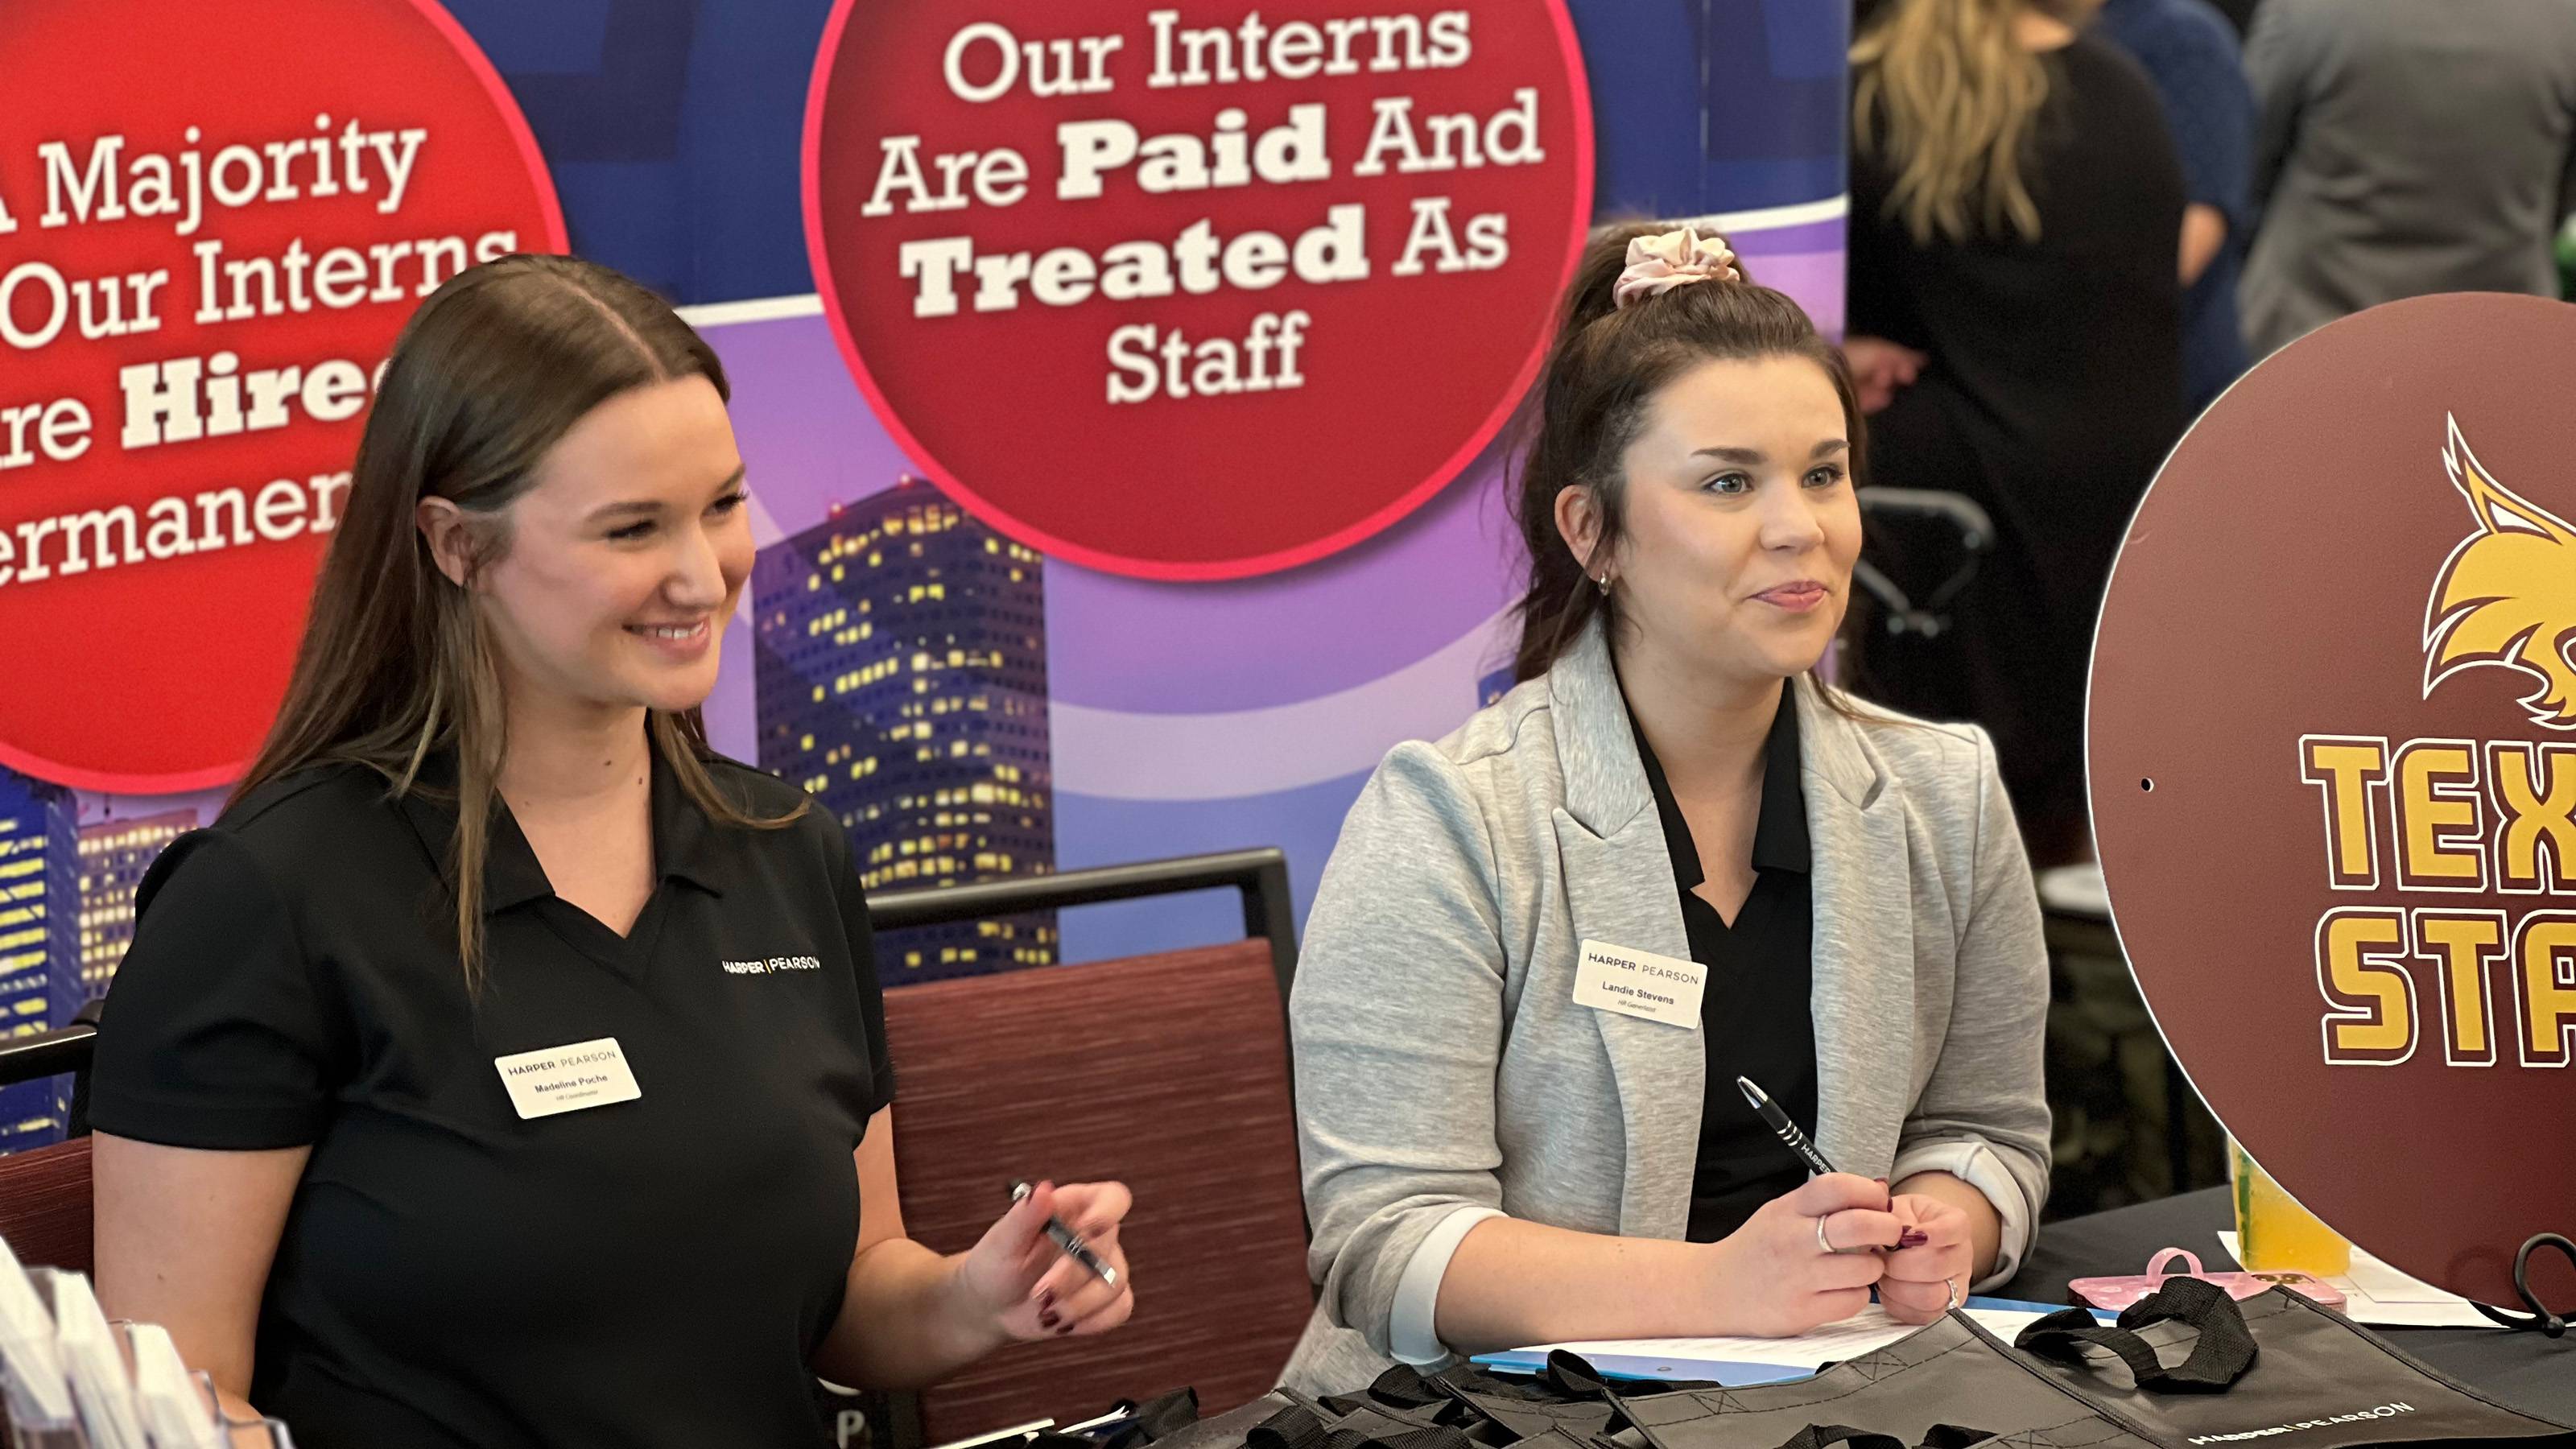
(1602, 582)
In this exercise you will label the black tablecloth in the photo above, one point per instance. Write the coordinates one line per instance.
(2522, 1370)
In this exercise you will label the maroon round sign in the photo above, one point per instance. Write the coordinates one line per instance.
(2333, 754)
(1195, 294)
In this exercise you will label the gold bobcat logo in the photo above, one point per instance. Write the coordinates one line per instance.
(2507, 594)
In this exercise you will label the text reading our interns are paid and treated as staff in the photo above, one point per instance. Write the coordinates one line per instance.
(986, 61)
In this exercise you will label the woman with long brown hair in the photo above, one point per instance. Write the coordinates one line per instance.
(504, 1068)
(2016, 335)
(1547, 947)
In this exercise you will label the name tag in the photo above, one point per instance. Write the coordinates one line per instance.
(1639, 983)
(569, 1078)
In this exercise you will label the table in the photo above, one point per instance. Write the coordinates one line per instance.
(2520, 1370)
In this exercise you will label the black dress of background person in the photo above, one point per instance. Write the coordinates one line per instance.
(2037, 371)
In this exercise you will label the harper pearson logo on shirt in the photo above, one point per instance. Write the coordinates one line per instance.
(771, 965)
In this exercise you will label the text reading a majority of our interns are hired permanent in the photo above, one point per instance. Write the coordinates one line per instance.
(208, 393)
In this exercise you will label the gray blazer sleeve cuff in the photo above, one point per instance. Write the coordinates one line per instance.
(1412, 1331)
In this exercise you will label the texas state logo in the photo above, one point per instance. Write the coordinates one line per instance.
(2332, 750)
(2507, 594)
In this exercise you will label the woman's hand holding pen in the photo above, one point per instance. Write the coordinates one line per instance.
(1018, 1279)
(1777, 1278)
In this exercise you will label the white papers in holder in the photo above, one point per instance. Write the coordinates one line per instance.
(96, 1366)
(39, 1396)
(173, 1413)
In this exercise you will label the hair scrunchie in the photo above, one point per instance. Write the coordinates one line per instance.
(1677, 258)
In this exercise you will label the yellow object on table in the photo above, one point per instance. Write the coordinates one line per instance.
(2276, 1234)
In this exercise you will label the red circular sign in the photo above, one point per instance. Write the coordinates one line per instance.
(213, 220)
(1195, 294)
(2333, 755)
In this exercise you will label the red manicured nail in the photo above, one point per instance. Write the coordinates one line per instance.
(1061, 1332)
(1913, 1238)
(1048, 1321)
(1046, 1299)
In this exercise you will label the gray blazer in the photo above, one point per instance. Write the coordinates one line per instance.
(1442, 1065)
(2405, 148)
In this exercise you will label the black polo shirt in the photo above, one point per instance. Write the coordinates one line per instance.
(648, 1272)
(1755, 1018)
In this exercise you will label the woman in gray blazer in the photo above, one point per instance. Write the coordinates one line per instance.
(1547, 945)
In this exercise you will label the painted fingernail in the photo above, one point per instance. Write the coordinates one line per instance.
(1913, 1238)
(1046, 1299)
(1048, 1321)
(1061, 1332)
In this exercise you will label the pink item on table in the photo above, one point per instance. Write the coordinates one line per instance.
(2116, 1293)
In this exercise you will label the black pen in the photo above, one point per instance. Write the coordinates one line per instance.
(1069, 1240)
(1779, 1123)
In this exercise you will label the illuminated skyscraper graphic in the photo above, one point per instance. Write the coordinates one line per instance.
(114, 854)
(39, 944)
(901, 651)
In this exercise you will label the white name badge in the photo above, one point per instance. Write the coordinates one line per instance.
(569, 1078)
(1640, 983)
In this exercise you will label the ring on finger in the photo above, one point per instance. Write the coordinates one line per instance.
(1826, 1244)
(1953, 1284)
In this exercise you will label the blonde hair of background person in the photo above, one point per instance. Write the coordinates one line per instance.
(1489, 1163)
(546, 537)
(1953, 89)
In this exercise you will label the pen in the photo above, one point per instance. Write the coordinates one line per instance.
(1069, 1240)
(1779, 1123)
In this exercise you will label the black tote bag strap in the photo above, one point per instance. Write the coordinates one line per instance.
(1817, 1436)
(1291, 1428)
(1400, 1387)
(2224, 1352)
(1570, 1375)
(1301, 1428)
(1404, 1385)
(1160, 1419)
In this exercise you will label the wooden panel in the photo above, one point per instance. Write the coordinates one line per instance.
(1169, 1073)
(44, 1205)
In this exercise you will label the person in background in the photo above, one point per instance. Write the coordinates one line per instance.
(2405, 149)
(2016, 330)
(1829, 899)
(2192, 56)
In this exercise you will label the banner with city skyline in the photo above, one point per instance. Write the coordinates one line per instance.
(969, 704)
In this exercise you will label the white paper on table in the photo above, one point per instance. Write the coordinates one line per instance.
(1848, 1338)
(2383, 1297)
